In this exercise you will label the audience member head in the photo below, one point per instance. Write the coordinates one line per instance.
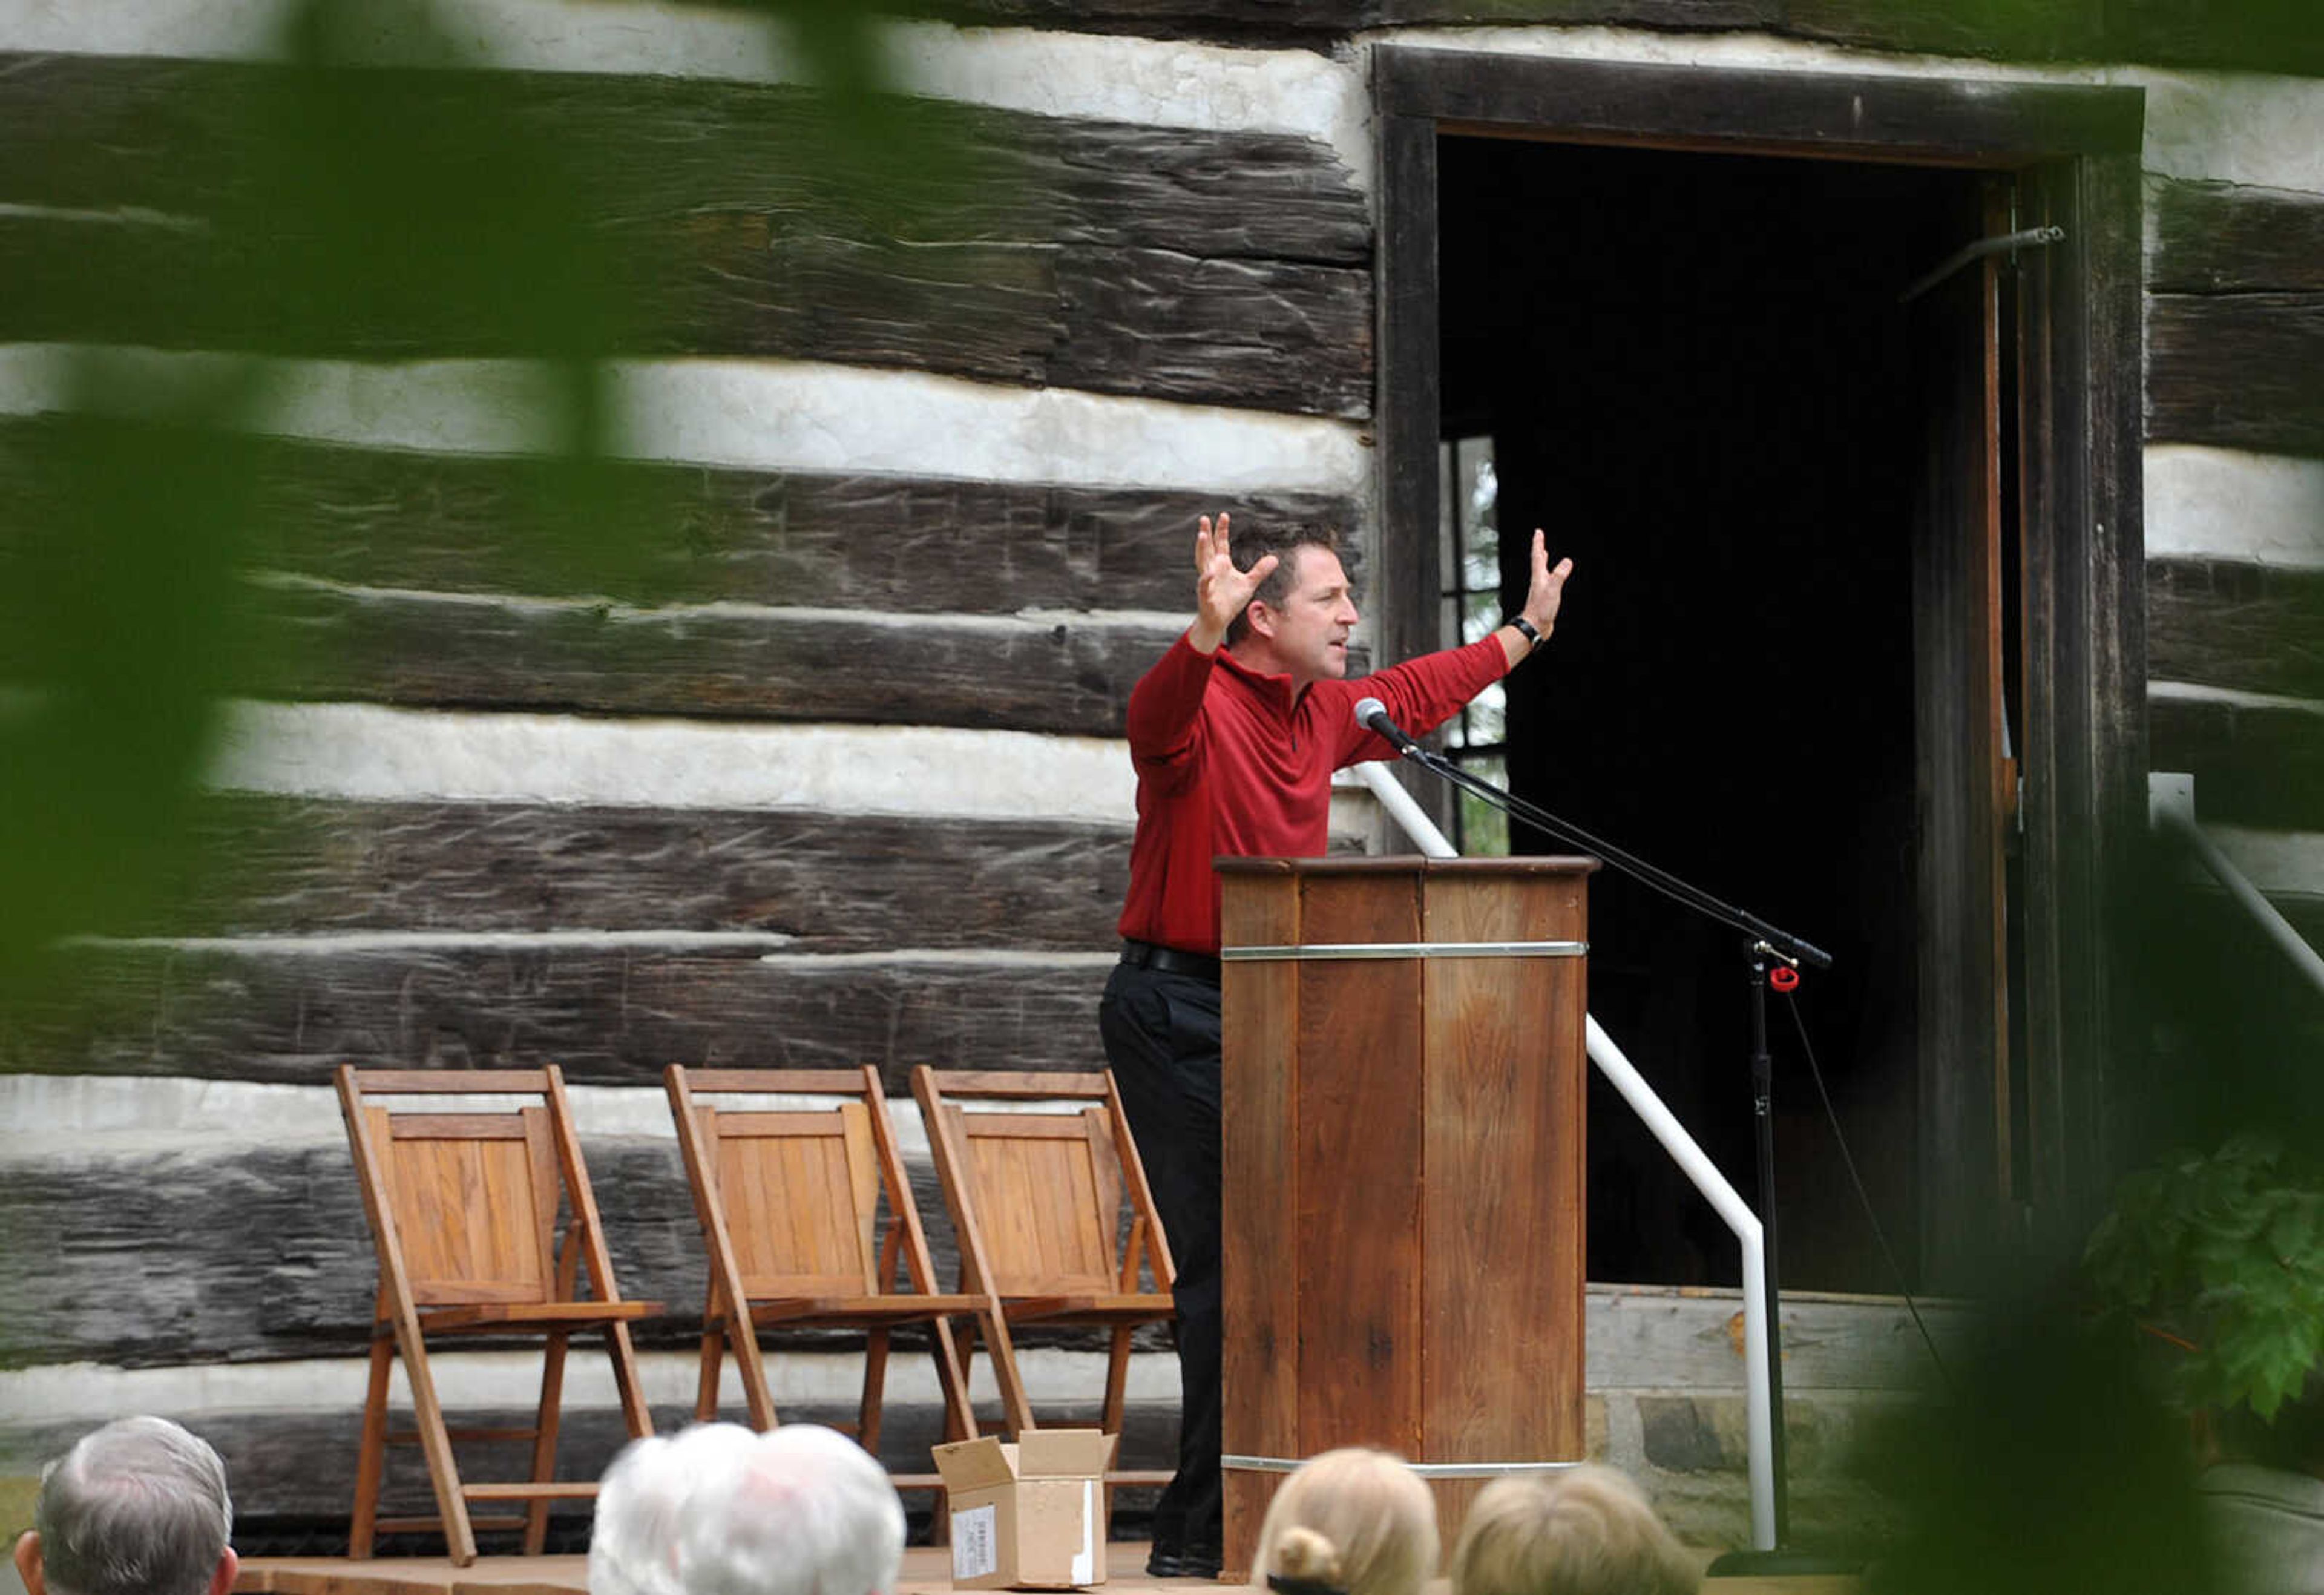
(634, 1539)
(1583, 1531)
(808, 1512)
(137, 1508)
(1356, 1521)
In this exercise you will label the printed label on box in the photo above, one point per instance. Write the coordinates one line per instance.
(975, 1543)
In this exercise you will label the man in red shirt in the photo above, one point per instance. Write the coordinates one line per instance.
(1235, 733)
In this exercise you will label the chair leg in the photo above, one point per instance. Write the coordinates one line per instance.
(713, 1357)
(544, 1440)
(951, 1379)
(371, 1455)
(626, 1383)
(1117, 1388)
(435, 1445)
(875, 1388)
(1015, 1406)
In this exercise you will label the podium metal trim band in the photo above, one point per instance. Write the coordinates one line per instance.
(1405, 950)
(1425, 1469)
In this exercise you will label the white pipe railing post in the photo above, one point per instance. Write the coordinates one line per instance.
(1759, 1405)
(2171, 806)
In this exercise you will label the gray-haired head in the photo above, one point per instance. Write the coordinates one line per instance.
(137, 1508)
(806, 1512)
(634, 1539)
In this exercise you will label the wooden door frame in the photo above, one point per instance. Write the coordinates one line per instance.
(2084, 755)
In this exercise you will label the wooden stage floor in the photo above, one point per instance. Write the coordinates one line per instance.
(927, 1570)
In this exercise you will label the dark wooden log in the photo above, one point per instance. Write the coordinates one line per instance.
(280, 1265)
(2255, 35)
(2223, 622)
(1070, 675)
(2224, 238)
(2259, 766)
(837, 882)
(1824, 112)
(2238, 370)
(1314, 24)
(451, 523)
(2071, 30)
(291, 1013)
(707, 217)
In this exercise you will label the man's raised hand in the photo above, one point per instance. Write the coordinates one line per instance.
(1221, 592)
(1546, 594)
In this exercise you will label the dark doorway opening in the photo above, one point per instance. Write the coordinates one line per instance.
(1696, 375)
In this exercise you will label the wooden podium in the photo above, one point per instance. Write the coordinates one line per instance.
(1402, 1168)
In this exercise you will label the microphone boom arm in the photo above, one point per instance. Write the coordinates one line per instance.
(1785, 945)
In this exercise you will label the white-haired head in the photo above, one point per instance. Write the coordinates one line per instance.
(634, 1538)
(137, 1508)
(806, 1512)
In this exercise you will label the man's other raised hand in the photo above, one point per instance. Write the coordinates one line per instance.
(1221, 592)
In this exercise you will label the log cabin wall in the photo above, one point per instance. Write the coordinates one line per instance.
(840, 777)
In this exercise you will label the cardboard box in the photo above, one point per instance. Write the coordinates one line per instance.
(1029, 1515)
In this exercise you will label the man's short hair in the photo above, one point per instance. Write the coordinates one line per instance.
(1285, 541)
(1584, 1531)
(137, 1508)
(801, 1510)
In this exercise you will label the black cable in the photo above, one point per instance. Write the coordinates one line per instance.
(1880, 1236)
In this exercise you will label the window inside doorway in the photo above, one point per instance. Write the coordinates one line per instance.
(1469, 554)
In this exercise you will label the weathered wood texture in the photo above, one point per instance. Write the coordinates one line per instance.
(450, 523)
(1757, 110)
(2265, 35)
(2220, 623)
(2235, 318)
(2253, 765)
(1313, 22)
(1220, 267)
(2240, 371)
(284, 1266)
(292, 1013)
(2228, 238)
(1069, 674)
(837, 882)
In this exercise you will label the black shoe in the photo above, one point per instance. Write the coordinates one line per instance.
(1182, 1564)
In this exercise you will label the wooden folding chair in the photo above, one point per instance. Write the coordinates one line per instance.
(463, 1209)
(1036, 1199)
(789, 1204)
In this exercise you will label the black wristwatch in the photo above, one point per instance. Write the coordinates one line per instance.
(1532, 632)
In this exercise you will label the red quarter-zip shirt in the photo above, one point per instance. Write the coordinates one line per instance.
(1234, 764)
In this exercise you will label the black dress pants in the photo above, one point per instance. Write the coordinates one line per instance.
(1161, 1034)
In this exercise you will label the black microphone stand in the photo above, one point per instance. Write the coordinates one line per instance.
(1773, 956)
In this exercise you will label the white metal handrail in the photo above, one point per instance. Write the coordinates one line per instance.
(2171, 806)
(1759, 1424)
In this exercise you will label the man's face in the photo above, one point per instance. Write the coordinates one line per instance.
(1312, 627)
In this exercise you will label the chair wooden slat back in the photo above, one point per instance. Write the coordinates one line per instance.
(1047, 1191)
(790, 1203)
(483, 1224)
(801, 1194)
(474, 1198)
(1053, 1212)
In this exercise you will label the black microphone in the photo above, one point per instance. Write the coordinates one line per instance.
(1373, 715)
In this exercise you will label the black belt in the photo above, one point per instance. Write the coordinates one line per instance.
(1200, 966)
